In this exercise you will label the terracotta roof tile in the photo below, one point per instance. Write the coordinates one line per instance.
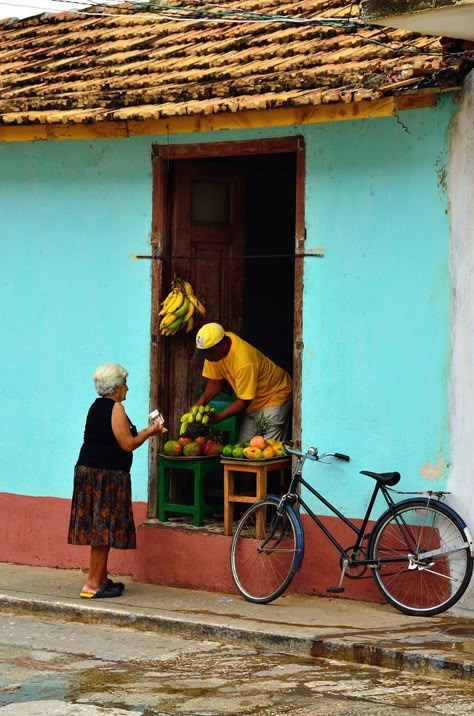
(135, 61)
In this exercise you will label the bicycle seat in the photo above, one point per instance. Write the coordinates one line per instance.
(386, 478)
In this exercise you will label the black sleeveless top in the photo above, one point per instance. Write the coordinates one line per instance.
(100, 448)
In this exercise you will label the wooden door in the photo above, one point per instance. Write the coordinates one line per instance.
(207, 248)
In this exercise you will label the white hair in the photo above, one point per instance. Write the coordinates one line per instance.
(108, 376)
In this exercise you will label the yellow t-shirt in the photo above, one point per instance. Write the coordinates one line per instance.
(251, 375)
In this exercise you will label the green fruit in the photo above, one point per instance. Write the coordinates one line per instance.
(175, 323)
(183, 429)
(238, 452)
(193, 449)
(172, 447)
(227, 451)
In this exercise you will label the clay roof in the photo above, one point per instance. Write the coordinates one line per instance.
(165, 59)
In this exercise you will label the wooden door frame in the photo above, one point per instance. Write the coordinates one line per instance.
(160, 250)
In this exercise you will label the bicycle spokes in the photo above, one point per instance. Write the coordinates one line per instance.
(264, 552)
(423, 561)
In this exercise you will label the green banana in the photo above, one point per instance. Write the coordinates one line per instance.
(183, 309)
(176, 324)
(167, 320)
(183, 428)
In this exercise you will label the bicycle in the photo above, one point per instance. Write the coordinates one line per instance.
(420, 550)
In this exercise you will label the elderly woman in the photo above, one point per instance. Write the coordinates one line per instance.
(101, 510)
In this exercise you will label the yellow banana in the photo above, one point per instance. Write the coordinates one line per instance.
(183, 309)
(169, 300)
(190, 324)
(188, 288)
(189, 312)
(178, 300)
(185, 417)
(197, 303)
(164, 304)
(167, 320)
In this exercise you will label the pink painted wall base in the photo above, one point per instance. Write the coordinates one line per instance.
(33, 530)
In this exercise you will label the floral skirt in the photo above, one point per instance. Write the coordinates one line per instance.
(101, 510)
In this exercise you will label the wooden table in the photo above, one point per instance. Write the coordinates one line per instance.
(259, 468)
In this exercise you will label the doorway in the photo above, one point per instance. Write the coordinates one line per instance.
(229, 219)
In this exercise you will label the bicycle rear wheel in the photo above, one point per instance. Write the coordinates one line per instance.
(423, 555)
(266, 551)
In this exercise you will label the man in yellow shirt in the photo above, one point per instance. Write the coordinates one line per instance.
(259, 384)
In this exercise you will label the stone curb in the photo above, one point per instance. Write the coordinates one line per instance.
(342, 649)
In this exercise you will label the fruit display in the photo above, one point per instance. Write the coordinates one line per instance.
(258, 448)
(185, 447)
(197, 414)
(179, 307)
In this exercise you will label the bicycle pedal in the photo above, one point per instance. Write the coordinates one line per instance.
(335, 590)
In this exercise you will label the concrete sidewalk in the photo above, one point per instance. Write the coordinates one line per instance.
(337, 628)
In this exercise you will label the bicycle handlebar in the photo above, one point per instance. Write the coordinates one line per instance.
(312, 454)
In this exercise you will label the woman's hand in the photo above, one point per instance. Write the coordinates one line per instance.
(122, 433)
(156, 429)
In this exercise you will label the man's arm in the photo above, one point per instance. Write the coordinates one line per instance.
(238, 406)
(213, 387)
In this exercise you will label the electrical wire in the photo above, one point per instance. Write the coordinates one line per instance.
(154, 11)
(350, 24)
(358, 25)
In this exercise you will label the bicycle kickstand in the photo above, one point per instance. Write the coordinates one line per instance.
(339, 588)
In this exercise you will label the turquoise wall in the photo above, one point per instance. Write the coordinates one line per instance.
(72, 212)
(376, 307)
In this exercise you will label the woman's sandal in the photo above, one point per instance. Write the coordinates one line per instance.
(120, 585)
(104, 592)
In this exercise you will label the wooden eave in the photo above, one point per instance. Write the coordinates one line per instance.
(283, 117)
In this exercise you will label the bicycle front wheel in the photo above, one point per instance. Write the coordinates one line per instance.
(266, 551)
(423, 557)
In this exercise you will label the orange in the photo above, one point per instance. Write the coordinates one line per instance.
(258, 441)
(268, 452)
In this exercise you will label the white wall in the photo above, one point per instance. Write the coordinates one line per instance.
(461, 193)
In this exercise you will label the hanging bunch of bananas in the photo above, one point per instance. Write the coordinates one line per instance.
(197, 414)
(178, 308)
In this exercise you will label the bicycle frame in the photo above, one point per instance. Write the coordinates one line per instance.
(292, 494)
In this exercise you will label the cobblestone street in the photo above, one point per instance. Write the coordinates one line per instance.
(73, 669)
